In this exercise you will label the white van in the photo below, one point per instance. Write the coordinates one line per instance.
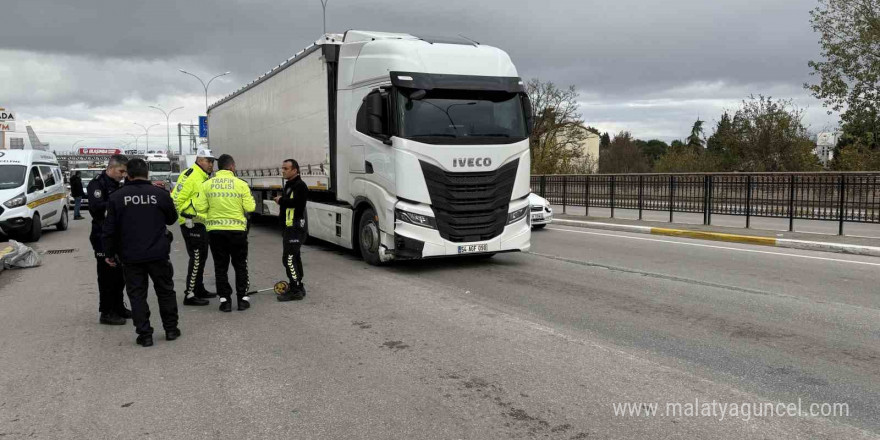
(32, 193)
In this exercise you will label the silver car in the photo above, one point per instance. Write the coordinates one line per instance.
(541, 212)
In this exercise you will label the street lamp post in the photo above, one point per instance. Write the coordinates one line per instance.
(135, 139)
(205, 85)
(147, 131)
(167, 124)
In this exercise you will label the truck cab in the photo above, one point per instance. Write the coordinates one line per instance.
(434, 136)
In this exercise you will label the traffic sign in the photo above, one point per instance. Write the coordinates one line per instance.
(203, 126)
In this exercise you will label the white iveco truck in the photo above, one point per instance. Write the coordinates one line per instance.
(412, 147)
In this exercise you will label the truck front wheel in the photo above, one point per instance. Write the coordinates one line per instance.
(368, 237)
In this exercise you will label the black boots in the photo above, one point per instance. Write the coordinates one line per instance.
(225, 306)
(243, 303)
(145, 340)
(111, 319)
(195, 301)
(204, 294)
(172, 334)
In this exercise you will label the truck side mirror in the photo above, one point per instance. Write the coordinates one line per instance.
(377, 116)
(530, 114)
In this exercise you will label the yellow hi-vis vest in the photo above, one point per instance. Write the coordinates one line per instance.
(188, 186)
(224, 200)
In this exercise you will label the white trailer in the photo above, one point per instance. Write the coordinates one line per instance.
(412, 147)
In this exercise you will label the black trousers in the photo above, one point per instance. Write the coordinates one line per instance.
(226, 246)
(196, 240)
(137, 283)
(291, 257)
(111, 285)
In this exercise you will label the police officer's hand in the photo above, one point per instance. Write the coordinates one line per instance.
(110, 262)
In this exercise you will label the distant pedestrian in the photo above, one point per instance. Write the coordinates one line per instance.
(111, 280)
(293, 214)
(225, 201)
(76, 191)
(135, 236)
(192, 227)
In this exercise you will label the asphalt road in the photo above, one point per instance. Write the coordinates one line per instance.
(535, 345)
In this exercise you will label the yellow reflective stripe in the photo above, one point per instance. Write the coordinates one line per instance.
(45, 200)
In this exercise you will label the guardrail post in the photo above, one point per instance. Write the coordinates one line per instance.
(641, 193)
(671, 195)
(748, 201)
(612, 196)
(587, 200)
(709, 200)
(706, 199)
(564, 190)
(842, 207)
(791, 204)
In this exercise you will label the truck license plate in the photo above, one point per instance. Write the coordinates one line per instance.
(471, 248)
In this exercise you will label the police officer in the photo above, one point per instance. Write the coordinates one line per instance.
(111, 282)
(135, 235)
(192, 227)
(225, 201)
(293, 214)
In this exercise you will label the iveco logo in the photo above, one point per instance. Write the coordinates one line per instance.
(461, 162)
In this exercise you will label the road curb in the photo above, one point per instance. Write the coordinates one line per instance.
(872, 251)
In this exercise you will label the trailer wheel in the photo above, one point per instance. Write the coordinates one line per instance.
(368, 237)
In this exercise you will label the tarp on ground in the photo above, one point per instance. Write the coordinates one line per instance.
(16, 255)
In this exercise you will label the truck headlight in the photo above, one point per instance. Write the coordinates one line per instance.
(412, 218)
(16, 201)
(517, 215)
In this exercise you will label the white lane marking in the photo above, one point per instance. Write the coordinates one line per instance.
(809, 257)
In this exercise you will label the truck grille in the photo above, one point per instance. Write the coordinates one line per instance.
(470, 206)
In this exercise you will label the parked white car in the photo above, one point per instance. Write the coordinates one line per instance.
(32, 193)
(541, 212)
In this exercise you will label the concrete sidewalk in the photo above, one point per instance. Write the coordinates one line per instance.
(793, 240)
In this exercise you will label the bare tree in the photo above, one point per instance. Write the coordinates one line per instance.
(559, 130)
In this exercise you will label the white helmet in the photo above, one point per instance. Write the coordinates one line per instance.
(206, 153)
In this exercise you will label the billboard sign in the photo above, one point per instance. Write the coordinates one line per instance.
(203, 126)
(99, 151)
(7, 120)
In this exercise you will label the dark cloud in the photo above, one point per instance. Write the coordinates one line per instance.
(614, 51)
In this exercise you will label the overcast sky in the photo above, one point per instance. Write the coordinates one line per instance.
(88, 69)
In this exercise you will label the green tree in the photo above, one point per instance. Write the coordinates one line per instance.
(623, 156)
(723, 142)
(695, 139)
(770, 136)
(604, 141)
(653, 149)
(559, 129)
(684, 159)
(849, 72)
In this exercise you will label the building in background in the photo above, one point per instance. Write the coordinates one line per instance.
(590, 151)
(825, 143)
(16, 143)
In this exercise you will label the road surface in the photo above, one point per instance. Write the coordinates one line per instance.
(542, 344)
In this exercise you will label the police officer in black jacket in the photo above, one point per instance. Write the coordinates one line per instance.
(111, 281)
(136, 236)
(293, 214)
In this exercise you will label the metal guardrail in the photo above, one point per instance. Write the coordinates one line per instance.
(840, 197)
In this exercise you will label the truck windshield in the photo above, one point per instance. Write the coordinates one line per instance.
(12, 176)
(162, 167)
(461, 117)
